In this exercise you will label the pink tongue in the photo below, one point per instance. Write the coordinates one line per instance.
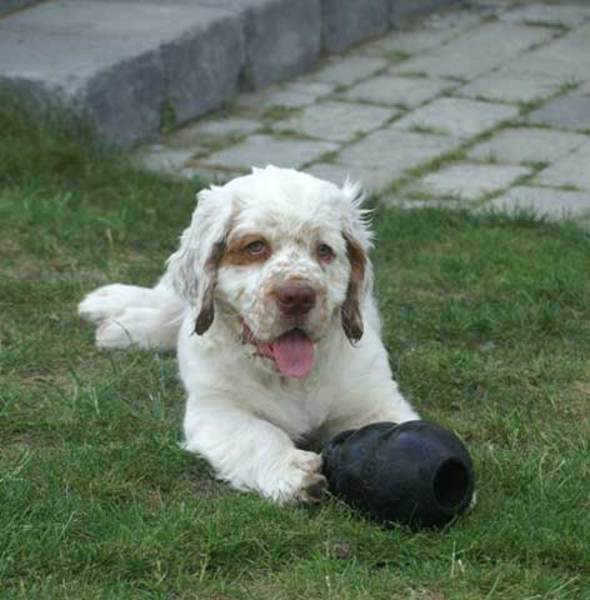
(293, 353)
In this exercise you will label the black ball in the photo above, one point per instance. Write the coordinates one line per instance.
(417, 473)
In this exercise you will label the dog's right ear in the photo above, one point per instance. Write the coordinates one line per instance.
(192, 269)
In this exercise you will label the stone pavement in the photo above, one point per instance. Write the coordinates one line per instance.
(132, 66)
(487, 105)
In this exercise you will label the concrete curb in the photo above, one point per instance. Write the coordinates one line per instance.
(9, 6)
(134, 66)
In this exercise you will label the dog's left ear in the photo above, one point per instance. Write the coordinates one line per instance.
(192, 269)
(358, 237)
(352, 320)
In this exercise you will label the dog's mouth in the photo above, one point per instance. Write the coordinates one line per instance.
(293, 352)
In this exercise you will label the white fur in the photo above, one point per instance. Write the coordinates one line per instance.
(242, 415)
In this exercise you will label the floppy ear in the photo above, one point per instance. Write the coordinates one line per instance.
(352, 320)
(192, 269)
(358, 238)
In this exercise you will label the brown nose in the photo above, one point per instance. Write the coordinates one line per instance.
(295, 300)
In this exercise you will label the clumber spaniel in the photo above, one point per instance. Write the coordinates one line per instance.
(268, 302)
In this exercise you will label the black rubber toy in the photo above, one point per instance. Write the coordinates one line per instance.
(417, 473)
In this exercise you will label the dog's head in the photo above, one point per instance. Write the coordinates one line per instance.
(280, 256)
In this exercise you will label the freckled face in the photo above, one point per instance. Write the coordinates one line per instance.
(262, 258)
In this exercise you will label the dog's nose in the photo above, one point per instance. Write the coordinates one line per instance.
(295, 300)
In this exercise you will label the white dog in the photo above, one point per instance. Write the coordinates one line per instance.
(268, 302)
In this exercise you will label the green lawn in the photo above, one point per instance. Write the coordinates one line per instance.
(488, 323)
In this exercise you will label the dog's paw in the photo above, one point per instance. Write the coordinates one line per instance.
(299, 478)
(103, 303)
(139, 327)
(313, 484)
(114, 333)
(110, 301)
(313, 489)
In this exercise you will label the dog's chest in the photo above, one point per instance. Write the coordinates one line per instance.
(297, 408)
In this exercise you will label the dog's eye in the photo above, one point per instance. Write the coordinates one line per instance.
(325, 252)
(258, 248)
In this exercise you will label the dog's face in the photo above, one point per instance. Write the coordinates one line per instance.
(280, 256)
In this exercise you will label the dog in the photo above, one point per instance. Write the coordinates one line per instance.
(269, 304)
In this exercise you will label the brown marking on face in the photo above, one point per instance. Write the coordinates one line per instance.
(352, 321)
(250, 249)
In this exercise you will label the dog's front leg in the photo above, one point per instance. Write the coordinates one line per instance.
(253, 454)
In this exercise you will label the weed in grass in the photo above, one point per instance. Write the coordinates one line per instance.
(524, 108)
(328, 157)
(216, 143)
(416, 74)
(568, 188)
(289, 134)
(457, 79)
(420, 128)
(535, 165)
(168, 118)
(278, 113)
(398, 56)
(559, 27)
(567, 87)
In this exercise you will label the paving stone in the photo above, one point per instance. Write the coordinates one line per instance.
(547, 14)
(570, 170)
(164, 160)
(212, 175)
(261, 150)
(372, 179)
(120, 66)
(283, 39)
(396, 201)
(335, 173)
(455, 21)
(507, 87)
(470, 181)
(411, 8)
(405, 42)
(212, 130)
(554, 204)
(477, 51)
(567, 58)
(347, 71)
(458, 117)
(336, 121)
(345, 22)
(399, 91)
(527, 144)
(365, 82)
(222, 127)
(429, 35)
(292, 95)
(566, 112)
(391, 152)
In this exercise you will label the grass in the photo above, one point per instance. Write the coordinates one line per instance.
(280, 112)
(488, 324)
